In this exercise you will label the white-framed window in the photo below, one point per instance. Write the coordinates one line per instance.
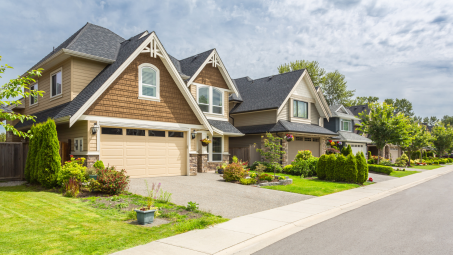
(33, 99)
(56, 83)
(345, 125)
(300, 109)
(217, 149)
(210, 99)
(78, 144)
(149, 82)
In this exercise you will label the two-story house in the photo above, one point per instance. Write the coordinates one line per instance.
(281, 104)
(345, 124)
(130, 104)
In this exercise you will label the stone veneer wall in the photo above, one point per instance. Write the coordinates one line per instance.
(89, 159)
(322, 146)
(202, 163)
(286, 150)
(193, 161)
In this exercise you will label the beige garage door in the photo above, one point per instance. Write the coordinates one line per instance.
(356, 147)
(303, 143)
(144, 153)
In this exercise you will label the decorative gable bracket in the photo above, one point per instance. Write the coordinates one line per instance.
(214, 60)
(154, 49)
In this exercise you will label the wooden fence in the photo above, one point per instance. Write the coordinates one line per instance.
(12, 160)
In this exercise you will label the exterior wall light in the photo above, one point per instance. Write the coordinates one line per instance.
(95, 129)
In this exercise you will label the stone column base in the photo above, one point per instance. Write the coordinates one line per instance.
(89, 159)
(202, 163)
(193, 161)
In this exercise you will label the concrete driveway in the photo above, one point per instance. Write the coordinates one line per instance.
(216, 196)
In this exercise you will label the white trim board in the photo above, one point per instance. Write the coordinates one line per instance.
(158, 50)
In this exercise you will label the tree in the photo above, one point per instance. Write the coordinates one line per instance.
(384, 126)
(2, 137)
(447, 120)
(362, 101)
(362, 168)
(443, 138)
(420, 137)
(350, 169)
(49, 164)
(401, 105)
(333, 84)
(15, 90)
(272, 151)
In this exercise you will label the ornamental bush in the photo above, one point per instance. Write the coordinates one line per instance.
(339, 168)
(380, 169)
(350, 169)
(99, 165)
(322, 164)
(362, 168)
(30, 166)
(402, 161)
(301, 167)
(266, 177)
(72, 169)
(234, 172)
(347, 150)
(330, 167)
(313, 166)
(288, 169)
(249, 181)
(110, 181)
(369, 155)
(303, 155)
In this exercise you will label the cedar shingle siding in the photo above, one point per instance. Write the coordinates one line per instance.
(121, 98)
(211, 76)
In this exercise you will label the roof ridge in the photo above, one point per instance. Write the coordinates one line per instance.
(195, 54)
(273, 75)
(78, 35)
(106, 29)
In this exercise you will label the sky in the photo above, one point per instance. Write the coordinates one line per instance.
(388, 49)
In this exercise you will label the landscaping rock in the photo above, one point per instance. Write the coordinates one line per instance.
(281, 182)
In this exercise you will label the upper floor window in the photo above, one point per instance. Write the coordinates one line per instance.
(149, 87)
(300, 109)
(345, 125)
(34, 99)
(56, 87)
(210, 99)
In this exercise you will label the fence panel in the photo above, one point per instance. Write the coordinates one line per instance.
(12, 160)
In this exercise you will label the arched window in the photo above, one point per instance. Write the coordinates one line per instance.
(149, 87)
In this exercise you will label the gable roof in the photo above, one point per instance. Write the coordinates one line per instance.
(286, 126)
(225, 127)
(356, 109)
(265, 93)
(91, 40)
(191, 64)
(353, 137)
(42, 116)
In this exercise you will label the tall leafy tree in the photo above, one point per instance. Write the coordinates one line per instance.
(12, 92)
(362, 101)
(401, 105)
(447, 120)
(442, 138)
(333, 84)
(384, 126)
(420, 138)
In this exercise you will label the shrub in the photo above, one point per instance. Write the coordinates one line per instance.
(99, 165)
(32, 151)
(253, 175)
(322, 164)
(402, 161)
(370, 161)
(288, 169)
(234, 172)
(277, 168)
(347, 150)
(303, 155)
(235, 159)
(48, 158)
(72, 187)
(72, 169)
(301, 167)
(380, 169)
(350, 169)
(332, 151)
(247, 181)
(281, 178)
(385, 162)
(339, 174)
(266, 177)
(330, 167)
(110, 181)
(313, 166)
(430, 154)
(369, 155)
(362, 168)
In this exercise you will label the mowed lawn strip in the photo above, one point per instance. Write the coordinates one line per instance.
(41, 222)
(402, 173)
(427, 167)
(314, 186)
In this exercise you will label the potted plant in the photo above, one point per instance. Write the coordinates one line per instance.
(289, 137)
(205, 142)
(92, 173)
(145, 215)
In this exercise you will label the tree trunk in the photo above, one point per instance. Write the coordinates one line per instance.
(378, 155)
(409, 156)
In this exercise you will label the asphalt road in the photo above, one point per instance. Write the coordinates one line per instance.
(418, 220)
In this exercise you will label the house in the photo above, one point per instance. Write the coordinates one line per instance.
(130, 104)
(281, 104)
(345, 124)
(390, 151)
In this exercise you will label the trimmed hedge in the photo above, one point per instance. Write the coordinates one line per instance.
(350, 169)
(340, 174)
(331, 167)
(346, 151)
(362, 168)
(380, 169)
(322, 165)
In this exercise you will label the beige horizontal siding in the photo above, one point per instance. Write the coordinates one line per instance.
(92, 139)
(226, 144)
(284, 113)
(79, 129)
(84, 71)
(314, 114)
(255, 118)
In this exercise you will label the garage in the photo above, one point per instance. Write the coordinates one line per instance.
(356, 147)
(303, 143)
(144, 153)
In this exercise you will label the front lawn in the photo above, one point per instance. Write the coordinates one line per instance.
(402, 173)
(313, 186)
(427, 167)
(35, 221)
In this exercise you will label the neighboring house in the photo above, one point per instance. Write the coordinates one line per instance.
(282, 104)
(344, 123)
(390, 151)
(130, 104)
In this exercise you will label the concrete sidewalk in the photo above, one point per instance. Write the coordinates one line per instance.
(250, 233)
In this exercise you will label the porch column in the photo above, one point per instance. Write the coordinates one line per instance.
(286, 150)
(202, 159)
(322, 146)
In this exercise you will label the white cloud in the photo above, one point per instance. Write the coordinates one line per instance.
(385, 48)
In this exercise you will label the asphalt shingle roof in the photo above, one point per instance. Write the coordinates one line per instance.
(265, 93)
(126, 49)
(42, 116)
(286, 126)
(190, 65)
(333, 109)
(4, 108)
(353, 137)
(356, 109)
(224, 126)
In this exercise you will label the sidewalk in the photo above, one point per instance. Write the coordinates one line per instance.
(250, 233)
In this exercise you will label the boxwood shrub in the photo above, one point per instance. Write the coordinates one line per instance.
(380, 169)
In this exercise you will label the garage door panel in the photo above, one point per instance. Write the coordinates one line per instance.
(112, 152)
(135, 152)
(117, 162)
(296, 146)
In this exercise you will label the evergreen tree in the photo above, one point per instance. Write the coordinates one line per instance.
(362, 168)
(34, 168)
(339, 170)
(331, 167)
(322, 164)
(30, 156)
(50, 161)
(351, 169)
(369, 155)
(347, 150)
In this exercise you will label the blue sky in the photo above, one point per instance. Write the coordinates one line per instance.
(389, 49)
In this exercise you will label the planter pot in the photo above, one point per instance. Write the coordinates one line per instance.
(145, 217)
(204, 144)
(220, 171)
(289, 140)
(94, 176)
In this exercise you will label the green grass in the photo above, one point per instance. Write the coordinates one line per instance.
(427, 167)
(403, 173)
(42, 222)
(313, 186)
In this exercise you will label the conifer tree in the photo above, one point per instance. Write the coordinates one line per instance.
(49, 157)
(339, 170)
(331, 167)
(362, 168)
(30, 156)
(322, 164)
(351, 169)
